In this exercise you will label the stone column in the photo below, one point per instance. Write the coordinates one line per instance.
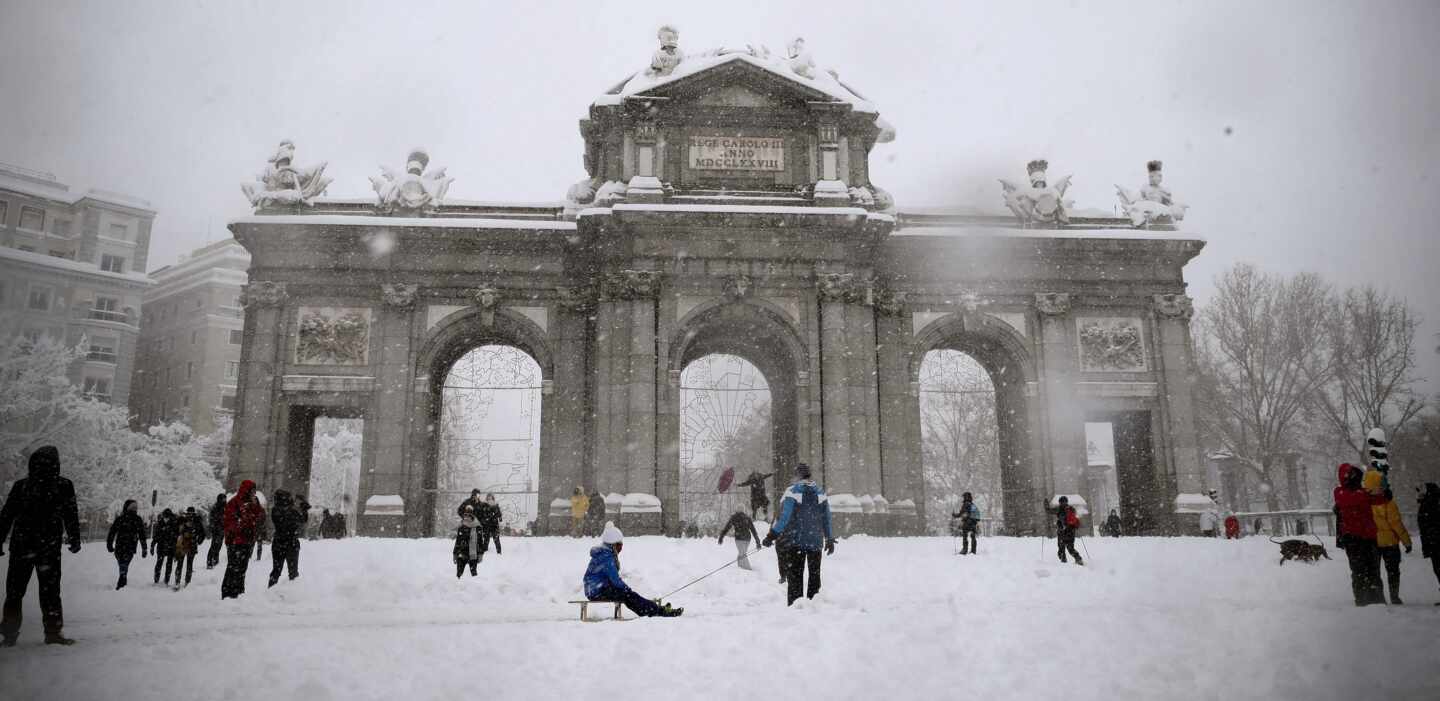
(899, 405)
(387, 420)
(1176, 352)
(1065, 420)
(610, 396)
(838, 471)
(667, 417)
(258, 400)
(566, 408)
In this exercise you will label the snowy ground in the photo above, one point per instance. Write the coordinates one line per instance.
(897, 618)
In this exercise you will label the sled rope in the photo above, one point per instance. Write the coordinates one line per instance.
(707, 574)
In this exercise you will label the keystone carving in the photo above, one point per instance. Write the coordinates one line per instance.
(1052, 303)
(971, 301)
(263, 293)
(888, 300)
(399, 294)
(738, 286)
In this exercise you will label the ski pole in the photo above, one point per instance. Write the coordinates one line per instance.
(1085, 547)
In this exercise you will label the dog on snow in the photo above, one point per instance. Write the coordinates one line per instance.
(1296, 549)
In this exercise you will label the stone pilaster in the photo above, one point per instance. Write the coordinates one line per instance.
(384, 468)
(1172, 321)
(899, 408)
(257, 421)
(1064, 418)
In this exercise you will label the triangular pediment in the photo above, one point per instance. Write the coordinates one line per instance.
(735, 95)
(737, 82)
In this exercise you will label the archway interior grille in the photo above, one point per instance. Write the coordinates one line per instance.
(724, 423)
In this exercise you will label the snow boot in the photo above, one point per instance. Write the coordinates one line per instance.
(10, 642)
(120, 584)
(58, 639)
(1395, 600)
(273, 580)
(668, 611)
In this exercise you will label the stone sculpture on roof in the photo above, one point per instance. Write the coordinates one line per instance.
(284, 184)
(668, 56)
(413, 190)
(1153, 204)
(800, 60)
(1040, 201)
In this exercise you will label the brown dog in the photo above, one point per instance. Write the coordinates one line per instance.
(1296, 549)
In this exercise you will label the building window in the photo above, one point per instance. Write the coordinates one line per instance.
(101, 349)
(2, 302)
(112, 264)
(236, 335)
(32, 218)
(227, 402)
(232, 370)
(185, 400)
(57, 253)
(194, 335)
(120, 231)
(39, 299)
(189, 370)
(199, 302)
(28, 249)
(107, 309)
(61, 227)
(97, 388)
(4, 212)
(167, 377)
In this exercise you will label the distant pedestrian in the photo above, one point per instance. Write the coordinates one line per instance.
(190, 534)
(467, 543)
(341, 530)
(288, 515)
(1210, 518)
(127, 532)
(579, 506)
(594, 515)
(744, 530)
(759, 501)
(473, 501)
(163, 534)
(217, 531)
(1428, 520)
(243, 517)
(1232, 527)
(804, 527)
(969, 515)
(488, 515)
(1354, 508)
(1067, 522)
(603, 583)
(41, 509)
(1390, 532)
(1112, 524)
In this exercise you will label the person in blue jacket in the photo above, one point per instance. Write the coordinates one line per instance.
(804, 519)
(603, 583)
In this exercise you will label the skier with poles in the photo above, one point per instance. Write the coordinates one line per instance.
(804, 517)
(1067, 522)
(603, 582)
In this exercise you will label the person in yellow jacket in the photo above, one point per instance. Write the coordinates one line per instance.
(579, 504)
(1390, 532)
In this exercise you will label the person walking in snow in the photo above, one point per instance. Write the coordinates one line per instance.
(1112, 524)
(579, 507)
(969, 515)
(804, 526)
(1390, 531)
(243, 516)
(41, 509)
(1428, 521)
(162, 536)
(488, 515)
(217, 531)
(469, 544)
(473, 501)
(1067, 522)
(1354, 509)
(744, 530)
(190, 534)
(603, 583)
(289, 517)
(127, 532)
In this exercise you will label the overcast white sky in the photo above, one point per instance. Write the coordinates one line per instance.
(1333, 107)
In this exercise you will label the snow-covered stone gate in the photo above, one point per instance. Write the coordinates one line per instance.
(730, 209)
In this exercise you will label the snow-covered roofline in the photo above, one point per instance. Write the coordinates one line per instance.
(392, 222)
(823, 80)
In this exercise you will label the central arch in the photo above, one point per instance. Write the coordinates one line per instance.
(450, 340)
(1002, 352)
(762, 335)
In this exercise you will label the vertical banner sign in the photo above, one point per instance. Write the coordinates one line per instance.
(762, 153)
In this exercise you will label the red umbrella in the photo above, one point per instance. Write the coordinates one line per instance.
(726, 478)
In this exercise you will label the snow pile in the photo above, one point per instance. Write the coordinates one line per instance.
(385, 505)
(1177, 618)
(640, 503)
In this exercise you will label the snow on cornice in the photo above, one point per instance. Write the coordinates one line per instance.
(415, 222)
(823, 81)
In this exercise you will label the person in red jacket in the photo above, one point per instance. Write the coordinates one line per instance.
(1232, 527)
(1353, 508)
(243, 516)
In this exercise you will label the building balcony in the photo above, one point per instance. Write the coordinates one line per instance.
(106, 315)
(101, 357)
(98, 397)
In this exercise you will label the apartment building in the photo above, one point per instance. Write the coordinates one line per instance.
(189, 349)
(72, 266)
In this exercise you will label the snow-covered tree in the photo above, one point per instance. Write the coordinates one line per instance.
(959, 436)
(335, 466)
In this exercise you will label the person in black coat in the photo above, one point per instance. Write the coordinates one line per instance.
(217, 532)
(488, 516)
(1112, 524)
(595, 515)
(474, 502)
(744, 531)
(469, 544)
(289, 516)
(1067, 522)
(1428, 520)
(40, 510)
(126, 532)
(162, 538)
(190, 533)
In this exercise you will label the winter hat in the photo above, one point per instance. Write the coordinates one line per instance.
(802, 471)
(611, 535)
(1064, 499)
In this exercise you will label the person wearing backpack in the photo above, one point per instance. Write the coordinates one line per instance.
(1067, 522)
(969, 523)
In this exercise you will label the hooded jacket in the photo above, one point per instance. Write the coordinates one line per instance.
(243, 516)
(190, 530)
(41, 507)
(289, 517)
(126, 533)
(742, 525)
(804, 522)
(604, 569)
(1354, 506)
(1428, 520)
(167, 528)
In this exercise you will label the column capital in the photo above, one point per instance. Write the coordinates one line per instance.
(400, 295)
(263, 293)
(1178, 306)
(630, 284)
(1053, 303)
(576, 298)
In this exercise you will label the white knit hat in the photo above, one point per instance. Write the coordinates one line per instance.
(612, 535)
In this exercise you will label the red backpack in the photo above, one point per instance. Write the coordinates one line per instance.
(1071, 520)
